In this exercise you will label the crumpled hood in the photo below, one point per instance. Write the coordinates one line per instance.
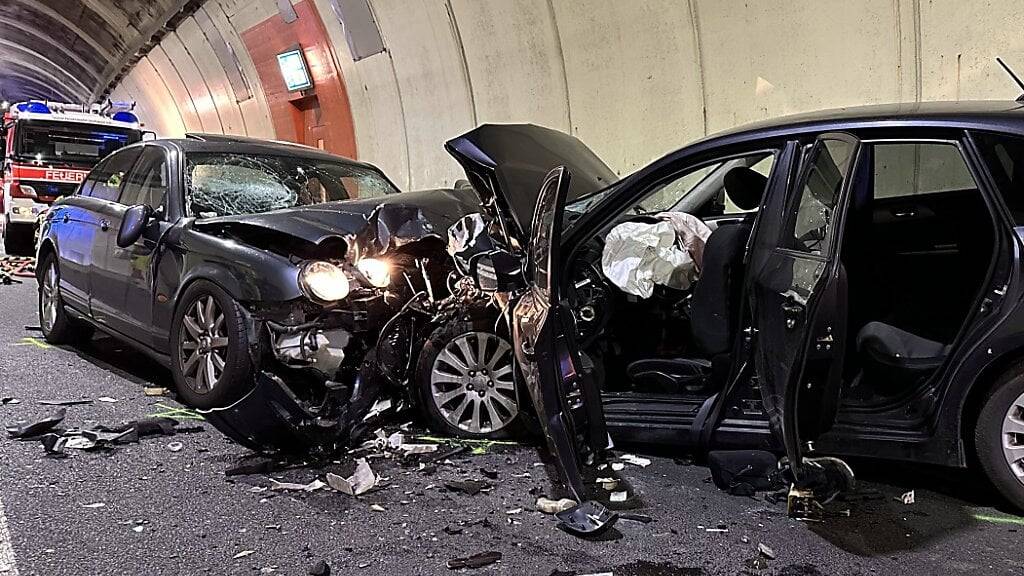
(507, 163)
(375, 224)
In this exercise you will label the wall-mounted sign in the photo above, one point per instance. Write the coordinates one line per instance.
(294, 70)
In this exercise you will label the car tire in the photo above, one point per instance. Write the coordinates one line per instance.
(209, 337)
(17, 239)
(57, 326)
(443, 382)
(1001, 422)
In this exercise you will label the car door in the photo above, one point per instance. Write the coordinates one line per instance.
(75, 228)
(563, 393)
(798, 295)
(130, 269)
(104, 291)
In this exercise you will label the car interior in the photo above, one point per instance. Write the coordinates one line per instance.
(917, 245)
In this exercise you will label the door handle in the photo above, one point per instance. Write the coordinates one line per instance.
(66, 218)
(104, 225)
(905, 213)
(792, 311)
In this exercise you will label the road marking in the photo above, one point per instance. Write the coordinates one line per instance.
(7, 565)
(32, 341)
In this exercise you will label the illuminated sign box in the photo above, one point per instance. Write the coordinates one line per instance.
(294, 70)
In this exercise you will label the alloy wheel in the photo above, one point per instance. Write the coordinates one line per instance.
(472, 385)
(1013, 438)
(203, 344)
(50, 294)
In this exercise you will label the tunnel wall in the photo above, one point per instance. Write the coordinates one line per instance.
(632, 79)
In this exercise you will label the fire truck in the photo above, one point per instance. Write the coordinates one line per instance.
(49, 148)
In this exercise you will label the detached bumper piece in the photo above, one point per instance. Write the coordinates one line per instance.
(271, 419)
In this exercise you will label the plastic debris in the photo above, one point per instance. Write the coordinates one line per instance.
(175, 446)
(765, 551)
(38, 427)
(641, 518)
(54, 445)
(608, 483)
(94, 505)
(107, 399)
(321, 568)
(468, 487)
(65, 402)
(9, 400)
(549, 506)
(294, 487)
(360, 482)
(634, 460)
(138, 529)
(907, 497)
(618, 496)
(243, 554)
(475, 561)
(618, 466)
(378, 508)
(155, 391)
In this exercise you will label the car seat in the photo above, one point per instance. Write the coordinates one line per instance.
(716, 303)
(893, 359)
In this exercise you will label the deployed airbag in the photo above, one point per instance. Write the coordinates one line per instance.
(639, 255)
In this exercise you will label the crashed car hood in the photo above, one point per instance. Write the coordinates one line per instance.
(413, 214)
(510, 161)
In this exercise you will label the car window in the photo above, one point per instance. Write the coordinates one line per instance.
(701, 190)
(1004, 156)
(915, 168)
(147, 183)
(810, 224)
(110, 174)
(222, 184)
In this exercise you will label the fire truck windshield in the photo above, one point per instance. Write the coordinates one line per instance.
(68, 142)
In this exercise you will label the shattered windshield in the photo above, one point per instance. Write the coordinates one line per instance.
(227, 184)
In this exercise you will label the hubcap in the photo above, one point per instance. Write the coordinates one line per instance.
(1013, 438)
(472, 384)
(203, 344)
(49, 298)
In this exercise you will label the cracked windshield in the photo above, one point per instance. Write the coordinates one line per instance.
(220, 184)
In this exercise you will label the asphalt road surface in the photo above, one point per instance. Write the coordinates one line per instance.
(166, 512)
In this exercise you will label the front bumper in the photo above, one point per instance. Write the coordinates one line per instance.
(25, 210)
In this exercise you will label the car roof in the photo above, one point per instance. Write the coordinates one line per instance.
(220, 143)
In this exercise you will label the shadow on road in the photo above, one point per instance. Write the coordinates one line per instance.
(114, 356)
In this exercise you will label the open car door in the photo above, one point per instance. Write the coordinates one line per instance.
(564, 395)
(798, 296)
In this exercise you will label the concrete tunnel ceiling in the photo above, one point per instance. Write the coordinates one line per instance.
(72, 51)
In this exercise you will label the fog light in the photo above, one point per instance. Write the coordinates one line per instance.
(377, 272)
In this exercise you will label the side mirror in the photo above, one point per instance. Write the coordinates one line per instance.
(133, 224)
(497, 271)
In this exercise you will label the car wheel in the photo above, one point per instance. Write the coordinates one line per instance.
(17, 239)
(210, 359)
(999, 437)
(466, 382)
(57, 326)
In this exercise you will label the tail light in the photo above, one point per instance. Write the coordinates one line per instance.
(19, 190)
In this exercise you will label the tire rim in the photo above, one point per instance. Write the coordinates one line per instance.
(50, 298)
(1013, 438)
(202, 345)
(472, 384)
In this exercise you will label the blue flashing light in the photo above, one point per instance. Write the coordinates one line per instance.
(125, 117)
(34, 108)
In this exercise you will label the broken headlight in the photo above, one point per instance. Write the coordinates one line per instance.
(377, 272)
(323, 282)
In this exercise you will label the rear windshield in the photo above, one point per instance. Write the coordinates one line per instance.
(224, 184)
(68, 142)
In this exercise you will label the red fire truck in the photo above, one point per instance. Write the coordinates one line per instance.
(49, 149)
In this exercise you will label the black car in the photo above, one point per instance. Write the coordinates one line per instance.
(262, 274)
(859, 293)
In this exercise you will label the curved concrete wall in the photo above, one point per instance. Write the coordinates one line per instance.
(633, 79)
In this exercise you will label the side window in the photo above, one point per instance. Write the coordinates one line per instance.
(147, 182)
(915, 168)
(110, 175)
(1004, 156)
(809, 228)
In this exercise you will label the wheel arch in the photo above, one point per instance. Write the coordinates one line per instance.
(983, 384)
(47, 246)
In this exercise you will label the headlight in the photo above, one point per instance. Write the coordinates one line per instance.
(377, 272)
(323, 281)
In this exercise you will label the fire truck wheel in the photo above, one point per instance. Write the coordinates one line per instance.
(17, 239)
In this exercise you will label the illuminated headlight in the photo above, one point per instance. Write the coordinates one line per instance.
(29, 191)
(323, 281)
(377, 272)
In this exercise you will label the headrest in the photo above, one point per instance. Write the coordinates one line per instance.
(745, 187)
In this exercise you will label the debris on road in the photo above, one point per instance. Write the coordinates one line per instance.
(635, 460)
(744, 472)
(321, 568)
(588, 519)
(243, 554)
(632, 517)
(107, 399)
(608, 484)
(38, 427)
(468, 487)
(360, 482)
(378, 508)
(155, 391)
(9, 400)
(66, 402)
(175, 446)
(475, 561)
(54, 445)
(254, 465)
(313, 486)
(549, 506)
(618, 496)
(907, 497)
(765, 551)
(94, 505)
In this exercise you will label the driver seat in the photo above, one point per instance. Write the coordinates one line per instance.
(716, 303)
